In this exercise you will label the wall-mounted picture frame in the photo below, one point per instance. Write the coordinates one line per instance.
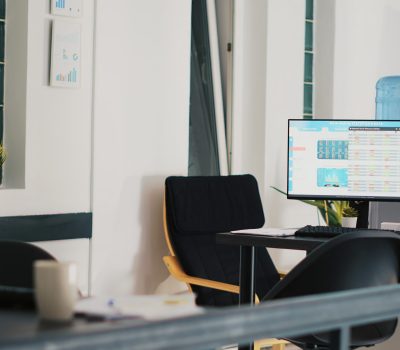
(65, 54)
(69, 8)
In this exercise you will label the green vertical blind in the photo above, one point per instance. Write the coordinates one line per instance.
(203, 142)
(2, 69)
(2, 48)
(308, 111)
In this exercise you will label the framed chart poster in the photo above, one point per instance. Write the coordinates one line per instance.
(65, 54)
(70, 8)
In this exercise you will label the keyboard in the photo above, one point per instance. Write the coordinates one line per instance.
(323, 231)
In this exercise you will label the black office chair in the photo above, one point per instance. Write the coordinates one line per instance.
(350, 261)
(195, 209)
(16, 272)
(199, 207)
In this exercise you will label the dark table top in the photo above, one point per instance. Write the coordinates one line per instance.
(20, 328)
(287, 242)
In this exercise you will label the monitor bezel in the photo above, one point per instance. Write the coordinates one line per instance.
(330, 197)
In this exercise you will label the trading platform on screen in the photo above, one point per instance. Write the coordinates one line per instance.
(344, 159)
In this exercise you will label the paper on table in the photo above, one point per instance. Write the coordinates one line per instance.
(268, 231)
(149, 307)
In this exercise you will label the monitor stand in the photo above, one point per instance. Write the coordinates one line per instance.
(363, 213)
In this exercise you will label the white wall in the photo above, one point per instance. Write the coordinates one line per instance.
(58, 123)
(365, 49)
(284, 100)
(355, 47)
(324, 56)
(134, 134)
(140, 136)
(58, 126)
(249, 55)
(268, 90)
(15, 93)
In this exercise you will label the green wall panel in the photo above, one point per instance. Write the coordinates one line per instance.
(309, 36)
(1, 124)
(308, 99)
(2, 40)
(51, 227)
(309, 9)
(308, 67)
(309, 61)
(1, 84)
(3, 9)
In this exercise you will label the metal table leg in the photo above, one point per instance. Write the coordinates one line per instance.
(246, 280)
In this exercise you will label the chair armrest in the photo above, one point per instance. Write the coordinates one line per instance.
(175, 269)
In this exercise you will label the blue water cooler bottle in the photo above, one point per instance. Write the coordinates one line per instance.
(388, 98)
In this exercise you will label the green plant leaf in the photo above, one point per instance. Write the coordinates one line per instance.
(3, 154)
(332, 207)
(280, 191)
(349, 212)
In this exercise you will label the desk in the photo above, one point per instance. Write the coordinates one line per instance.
(247, 244)
(22, 329)
(247, 254)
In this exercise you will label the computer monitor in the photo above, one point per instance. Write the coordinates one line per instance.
(344, 159)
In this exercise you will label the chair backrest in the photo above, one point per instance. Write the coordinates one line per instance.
(355, 260)
(16, 272)
(199, 207)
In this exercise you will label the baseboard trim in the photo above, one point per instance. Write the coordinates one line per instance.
(33, 228)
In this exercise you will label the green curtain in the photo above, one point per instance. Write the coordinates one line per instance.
(203, 148)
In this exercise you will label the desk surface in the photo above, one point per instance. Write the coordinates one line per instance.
(288, 242)
(23, 328)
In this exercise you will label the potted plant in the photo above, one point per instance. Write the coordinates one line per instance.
(349, 217)
(3, 155)
(333, 212)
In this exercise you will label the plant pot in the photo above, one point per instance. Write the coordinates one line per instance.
(349, 221)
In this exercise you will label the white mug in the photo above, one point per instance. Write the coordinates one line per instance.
(55, 289)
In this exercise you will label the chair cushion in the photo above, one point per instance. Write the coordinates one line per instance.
(211, 204)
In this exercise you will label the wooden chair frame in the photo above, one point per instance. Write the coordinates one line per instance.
(175, 269)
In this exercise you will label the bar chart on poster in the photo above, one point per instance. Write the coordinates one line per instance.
(65, 54)
(69, 8)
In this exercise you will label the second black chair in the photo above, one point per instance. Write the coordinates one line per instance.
(16, 272)
(353, 260)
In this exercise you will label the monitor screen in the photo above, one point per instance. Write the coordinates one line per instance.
(343, 159)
